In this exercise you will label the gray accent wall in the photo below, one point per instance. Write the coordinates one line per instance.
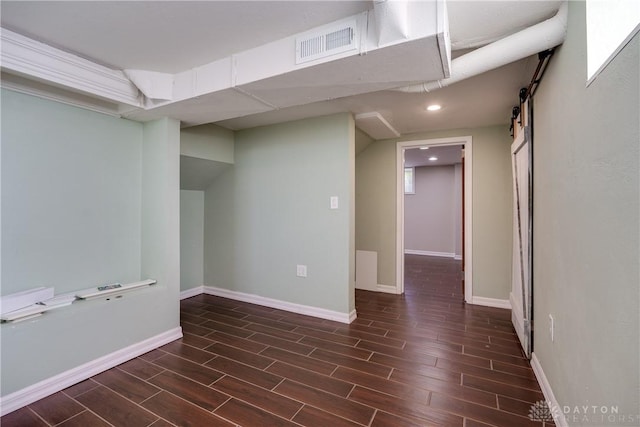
(433, 215)
(87, 199)
(492, 198)
(270, 212)
(586, 227)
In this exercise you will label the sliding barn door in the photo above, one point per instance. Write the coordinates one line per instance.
(521, 281)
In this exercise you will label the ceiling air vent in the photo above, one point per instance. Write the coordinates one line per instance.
(326, 41)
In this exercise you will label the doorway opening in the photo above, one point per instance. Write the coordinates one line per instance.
(467, 191)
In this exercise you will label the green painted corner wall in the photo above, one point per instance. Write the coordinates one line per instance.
(87, 199)
(586, 228)
(191, 239)
(492, 202)
(270, 212)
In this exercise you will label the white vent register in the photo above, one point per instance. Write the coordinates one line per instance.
(326, 41)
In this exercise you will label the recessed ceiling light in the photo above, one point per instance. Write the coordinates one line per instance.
(424, 148)
(434, 107)
(433, 158)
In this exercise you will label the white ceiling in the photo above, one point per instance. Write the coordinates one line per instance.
(173, 36)
(447, 155)
(167, 36)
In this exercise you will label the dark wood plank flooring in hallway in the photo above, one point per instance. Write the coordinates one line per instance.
(423, 358)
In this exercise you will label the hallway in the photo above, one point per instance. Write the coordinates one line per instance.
(419, 359)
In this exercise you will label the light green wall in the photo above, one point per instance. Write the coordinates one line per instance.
(270, 212)
(492, 195)
(71, 189)
(208, 142)
(376, 206)
(362, 141)
(191, 239)
(50, 155)
(586, 227)
(161, 212)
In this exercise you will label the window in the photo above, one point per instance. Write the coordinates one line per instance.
(409, 181)
(610, 26)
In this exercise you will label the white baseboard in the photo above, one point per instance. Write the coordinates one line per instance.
(47, 387)
(457, 257)
(491, 302)
(558, 415)
(430, 253)
(191, 292)
(387, 289)
(282, 305)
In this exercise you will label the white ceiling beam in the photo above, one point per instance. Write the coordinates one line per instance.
(26, 57)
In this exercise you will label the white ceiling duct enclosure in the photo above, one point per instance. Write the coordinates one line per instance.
(539, 37)
(332, 61)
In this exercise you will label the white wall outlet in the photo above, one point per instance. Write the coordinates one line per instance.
(551, 327)
(333, 202)
(301, 270)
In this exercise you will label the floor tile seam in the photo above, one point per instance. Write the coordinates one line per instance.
(184, 376)
(455, 395)
(428, 392)
(376, 342)
(330, 376)
(93, 413)
(319, 408)
(181, 398)
(489, 379)
(191, 360)
(330, 341)
(151, 377)
(96, 384)
(278, 347)
(37, 415)
(408, 417)
(139, 405)
(297, 412)
(494, 356)
(426, 353)
(503, 353)
(194, 324)
(356, 360)
(231, 397)
(160, 389)
(479, 404)
(68, 419)
(517, 377)
(503, 383)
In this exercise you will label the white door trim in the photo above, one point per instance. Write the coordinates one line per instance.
(468, 201)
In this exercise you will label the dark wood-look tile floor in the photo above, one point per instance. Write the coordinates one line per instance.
(423, 358)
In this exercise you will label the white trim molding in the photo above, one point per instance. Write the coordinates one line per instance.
(387, 289)
(558, 415)
(491, 302)
(401, 146)
(47, 387)
(21, 55)
(282, 305)
(429, 253)
(191, 292)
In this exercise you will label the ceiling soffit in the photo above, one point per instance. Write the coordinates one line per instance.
(260, 79)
